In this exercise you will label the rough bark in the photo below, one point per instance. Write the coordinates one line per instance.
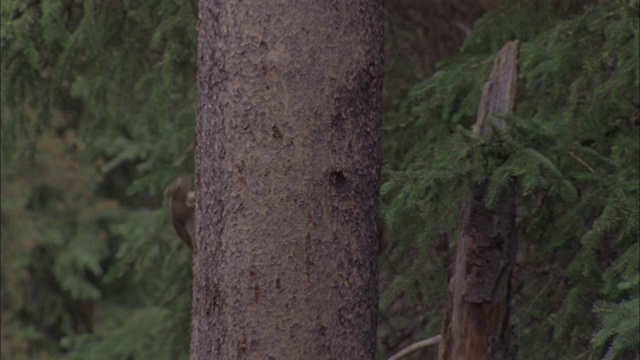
(288, 160)
(476, 325)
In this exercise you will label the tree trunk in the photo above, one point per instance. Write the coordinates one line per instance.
(476, 325)
(288, 159)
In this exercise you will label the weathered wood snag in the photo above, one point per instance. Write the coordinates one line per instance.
(476, 325)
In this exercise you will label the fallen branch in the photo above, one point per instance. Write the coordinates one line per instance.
(415, 346)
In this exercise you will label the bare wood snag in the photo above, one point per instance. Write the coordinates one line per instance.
(476, 325)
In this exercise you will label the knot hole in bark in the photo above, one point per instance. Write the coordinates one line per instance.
(337, 178)
(275, 132)
(340, 183)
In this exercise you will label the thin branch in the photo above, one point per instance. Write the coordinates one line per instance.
(415, 346)
(581, 162)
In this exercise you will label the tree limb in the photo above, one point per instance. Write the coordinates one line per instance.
(415, 346)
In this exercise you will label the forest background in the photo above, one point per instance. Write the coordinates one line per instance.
(98, 117)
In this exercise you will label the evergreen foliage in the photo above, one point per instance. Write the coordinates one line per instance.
(54, 243)
(97, 96)
(571, 149)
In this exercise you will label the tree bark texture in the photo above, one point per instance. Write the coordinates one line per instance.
(476, 326)
(288, 157)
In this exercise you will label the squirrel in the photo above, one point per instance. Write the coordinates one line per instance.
(181, 208)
